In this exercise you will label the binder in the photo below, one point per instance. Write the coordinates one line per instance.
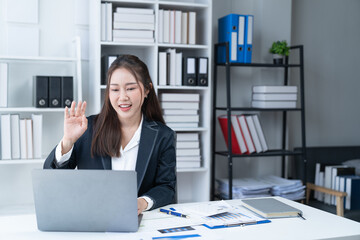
(189, 71)
(54, 92)
(67, 91)
(202, 71)
(232, 30)
(41, 91)
(106, 62)
(249, 38)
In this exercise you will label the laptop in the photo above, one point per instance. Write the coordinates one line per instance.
(85, 200)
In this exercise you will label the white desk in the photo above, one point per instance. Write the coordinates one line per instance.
(318, 225)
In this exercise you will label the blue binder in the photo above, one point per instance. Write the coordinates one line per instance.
(232, 30)
(249, 29)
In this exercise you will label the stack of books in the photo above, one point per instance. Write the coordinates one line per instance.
(188, 150)
(274, 96)
(262, 187)
(247, 135)
(21, 138)
(340, 178)
(177, 27)
(180, 110)
(170, 68)
(127, 24)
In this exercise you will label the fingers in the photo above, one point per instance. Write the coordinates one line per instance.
(75, 111)
(78, 109)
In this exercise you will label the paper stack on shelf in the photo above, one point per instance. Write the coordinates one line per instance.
(180, 109)
(127, 24)
(274, 96)
(262, 187)
(188, 150)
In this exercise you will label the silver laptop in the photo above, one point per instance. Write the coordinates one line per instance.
(85, 200)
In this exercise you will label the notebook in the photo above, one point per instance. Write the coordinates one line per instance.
(85, 200)
(271, 208)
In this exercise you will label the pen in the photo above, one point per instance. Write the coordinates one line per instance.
(173, 213)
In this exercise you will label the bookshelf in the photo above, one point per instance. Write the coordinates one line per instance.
(192, 183)
(21, 70)
(283, 152)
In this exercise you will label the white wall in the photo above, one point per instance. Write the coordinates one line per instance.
(330, 33)
(272, 21)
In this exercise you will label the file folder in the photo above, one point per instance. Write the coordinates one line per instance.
(202, 71)
(249, 38)
(41, 89)
(106, 62)
(55, 92)
(232, 30)
(189, 71)
(67, 91)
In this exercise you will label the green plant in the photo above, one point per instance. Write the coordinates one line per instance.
(280, 47)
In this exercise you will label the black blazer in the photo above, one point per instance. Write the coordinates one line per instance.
(155, 166)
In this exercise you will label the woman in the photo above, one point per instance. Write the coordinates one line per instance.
(128, 134)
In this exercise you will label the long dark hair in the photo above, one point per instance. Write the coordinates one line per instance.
(106, 136)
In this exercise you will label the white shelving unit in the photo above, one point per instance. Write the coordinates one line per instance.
(192, 184)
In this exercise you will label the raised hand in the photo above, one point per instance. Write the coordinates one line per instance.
(75, 124)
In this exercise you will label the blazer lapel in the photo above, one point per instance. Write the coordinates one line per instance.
(147, 142)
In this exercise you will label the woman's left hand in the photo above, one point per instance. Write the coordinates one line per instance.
(142, 205)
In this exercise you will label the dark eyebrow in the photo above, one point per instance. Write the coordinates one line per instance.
(126, 84)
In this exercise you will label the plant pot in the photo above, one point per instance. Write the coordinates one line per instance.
(278, 59)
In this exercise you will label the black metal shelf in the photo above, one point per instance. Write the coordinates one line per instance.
(258, 65)
(269, 153)
(283, 152)
(256, 109)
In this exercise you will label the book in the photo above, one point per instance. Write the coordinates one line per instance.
(134, 26)
(246, 133)
(274, 89)
(184, 27)
(5, 131)
(120, 33)
(180, 97)
(15, 136)
(273, 104)
(127, 10)
(223, 121)
(166, 26)
(187, 144)
(260, 132)
(161, 26)
(162, 69)
(180, 111)
(253, 133)
(133, 40)
(23, 138)
(179, 105)
(182, 125)
(239, 135)
(328, 180)
(187, 136)
(192, 28)
(274, 96)
(37, 120)
(180, 118)
(188, 152)
(29, 139)
(188, 164)
(178, 27)
(130, 17)
(188, 158)
(271, 208)
(352, 201)
(109, 22)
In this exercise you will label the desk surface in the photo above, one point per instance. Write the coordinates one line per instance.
(318, 225)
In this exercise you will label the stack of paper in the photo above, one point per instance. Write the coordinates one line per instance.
(188, 150)
(262, 187)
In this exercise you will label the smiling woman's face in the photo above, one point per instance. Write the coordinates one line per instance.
(126, 95)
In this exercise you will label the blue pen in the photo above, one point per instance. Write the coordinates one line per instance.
(173, 213)
(178, 236)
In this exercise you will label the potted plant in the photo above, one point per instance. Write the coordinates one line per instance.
(279, 49)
